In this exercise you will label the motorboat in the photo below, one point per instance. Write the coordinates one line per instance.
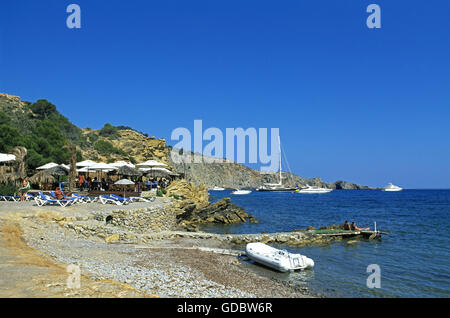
(217, 189)
(314, 189)
(280, 260)
(240, 192)
(276, 187)
(392, 188)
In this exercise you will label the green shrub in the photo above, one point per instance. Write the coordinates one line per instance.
(106, 148)
(109, 131)
(159, 193)
(8, 189)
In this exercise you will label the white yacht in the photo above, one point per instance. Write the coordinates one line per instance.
(314, 189)
(240, 192)
(276, 187)
(392, 188)
(217, 189)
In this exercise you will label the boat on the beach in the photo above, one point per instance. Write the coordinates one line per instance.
(217, 189)
(314, 189)
(392, 188)
(240, 192)
(279, 260)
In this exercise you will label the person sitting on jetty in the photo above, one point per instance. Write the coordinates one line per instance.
(355, 228)
(346, 226)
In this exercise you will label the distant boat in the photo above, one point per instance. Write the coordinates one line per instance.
(276, 187)
(392, 188)
(314, 189)
(217, 189)
(240, 192)
(280, 260)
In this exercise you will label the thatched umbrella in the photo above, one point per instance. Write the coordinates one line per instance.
(58, 171)
(160, 172)
(42, 177)
(7, 177)
(128, 171)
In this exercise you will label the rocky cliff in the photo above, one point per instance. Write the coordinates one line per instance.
(232, 175)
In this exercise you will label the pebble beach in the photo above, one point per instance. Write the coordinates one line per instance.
(116, 260)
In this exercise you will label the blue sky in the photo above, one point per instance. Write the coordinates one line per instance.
(369, 106)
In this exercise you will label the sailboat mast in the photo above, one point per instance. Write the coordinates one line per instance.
(279, 150)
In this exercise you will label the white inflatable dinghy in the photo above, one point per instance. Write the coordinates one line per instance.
(280, 260)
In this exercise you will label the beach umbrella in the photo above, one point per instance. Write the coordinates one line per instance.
(4, 157)
(152, 164)
(124, 182)
(58, 170)
(85, 166)
(85, 163)
(47, 166)
(42, 177)
(8, 177)
(102, 167)
(160, 172)
(128, 171)
(119, 164)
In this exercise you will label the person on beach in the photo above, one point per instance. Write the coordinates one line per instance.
(355, 228)
(81, 182)
(347, 226)
(25, 188)
(58, 194)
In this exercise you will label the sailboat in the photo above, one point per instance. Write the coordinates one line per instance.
(276, 187)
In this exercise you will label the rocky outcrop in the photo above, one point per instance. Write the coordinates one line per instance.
(223, 212)
(188, 191)
(133, 143)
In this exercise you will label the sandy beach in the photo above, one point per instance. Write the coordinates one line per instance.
(38, 243)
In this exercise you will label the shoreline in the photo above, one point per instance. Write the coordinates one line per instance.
(166, 267)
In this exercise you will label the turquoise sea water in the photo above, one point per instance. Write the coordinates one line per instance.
(414, 258)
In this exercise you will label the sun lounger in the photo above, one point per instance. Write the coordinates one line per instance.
(114, 199)
(85, 199)
(43, 199)
(10, 198)
(74, 199)
(143, 199)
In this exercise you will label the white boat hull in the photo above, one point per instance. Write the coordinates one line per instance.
(241, 192)
(392, 188)
(314, 190)
(217, 189)
(277, 259)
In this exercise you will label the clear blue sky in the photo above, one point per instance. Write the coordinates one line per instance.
(367, 106)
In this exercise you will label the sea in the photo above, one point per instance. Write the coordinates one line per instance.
(412, 260)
